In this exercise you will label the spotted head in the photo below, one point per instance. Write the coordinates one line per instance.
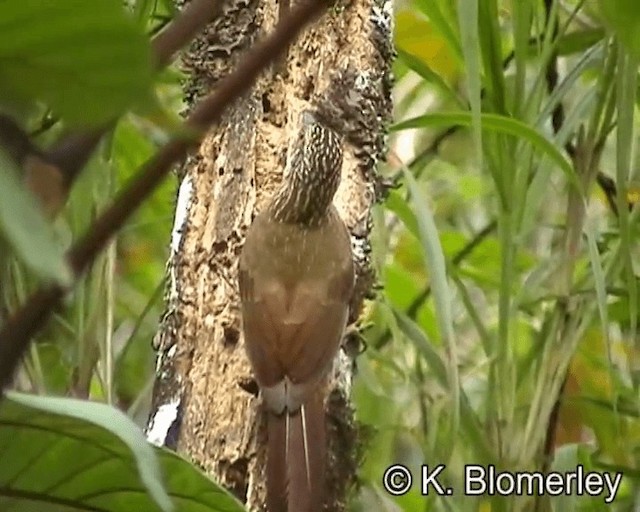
(312, 175)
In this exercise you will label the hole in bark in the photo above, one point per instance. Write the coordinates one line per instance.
(237, 170)
(220, 246)
(308, 90)
(266, 103)
(249, 385)
(221, 171)
(236, 473)
(231, 336)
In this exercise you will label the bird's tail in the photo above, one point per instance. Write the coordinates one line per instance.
(296, 458)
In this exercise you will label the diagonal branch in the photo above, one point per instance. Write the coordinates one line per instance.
(31, 317)
(71, 153)
(177, 34)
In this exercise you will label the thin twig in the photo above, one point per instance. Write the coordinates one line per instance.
(31, 317)
(191, 20)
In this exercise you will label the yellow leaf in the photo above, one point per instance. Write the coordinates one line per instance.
(485, 506)
(415, 34)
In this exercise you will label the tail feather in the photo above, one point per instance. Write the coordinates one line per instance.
(296, 459)
(276, 462)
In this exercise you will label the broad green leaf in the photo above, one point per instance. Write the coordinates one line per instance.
(69, 455)
(435, 262)
(88, 61)
(66, 454)
(24, 227)
(190, 489)
(623, 16)
(396, 203)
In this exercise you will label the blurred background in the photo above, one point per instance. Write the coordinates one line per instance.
(504, 330)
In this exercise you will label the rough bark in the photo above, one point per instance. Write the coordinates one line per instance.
(205, 401)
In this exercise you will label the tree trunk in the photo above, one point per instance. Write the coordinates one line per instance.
(205, 401)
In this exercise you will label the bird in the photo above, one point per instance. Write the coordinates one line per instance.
(296, 278)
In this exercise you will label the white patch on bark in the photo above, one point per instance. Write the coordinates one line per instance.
(382, 16)
(359, 248)
(182, 210)
(163, 358)
(183, 204)
(343, 372)
(162, 421)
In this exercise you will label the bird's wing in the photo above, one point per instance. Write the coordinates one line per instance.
(314, 327)
(293, 333)
(260, 333)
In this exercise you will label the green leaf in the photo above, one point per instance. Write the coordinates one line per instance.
(65, 454)
(441, 22)
(430, 354)
(470, 422)
(599, 282)
(421, 38)
(424, 70)
(623, 16)
(62, 455)
(26, 230)
(627, 78)
(470, 37)
(88, 61)
(497, 123)
(397, 204)
(434, 260)
(580, 40)
(190, 489)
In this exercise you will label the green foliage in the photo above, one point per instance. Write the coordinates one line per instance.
(86, 60)
(498, 123)
(624, 18)
(63, 454)
(32, 238)
(63, 65)
(504, 148)
(509, 279)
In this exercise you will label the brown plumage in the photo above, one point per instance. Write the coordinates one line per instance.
(296, 280)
